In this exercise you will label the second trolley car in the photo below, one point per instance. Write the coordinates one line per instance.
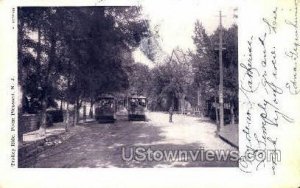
(137, 106)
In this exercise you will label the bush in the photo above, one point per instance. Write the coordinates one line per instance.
(54, 116)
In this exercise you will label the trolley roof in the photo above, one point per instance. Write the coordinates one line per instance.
(137, 97)
(106, 96)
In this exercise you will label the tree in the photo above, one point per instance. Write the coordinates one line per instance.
(139, 79)
(169, 81)
(112, 35)
(80, 52)
(34, 21)
(205, 62)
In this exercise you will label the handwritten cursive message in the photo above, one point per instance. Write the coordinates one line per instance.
(259, 76)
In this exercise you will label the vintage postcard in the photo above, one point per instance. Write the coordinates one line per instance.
(141, 93)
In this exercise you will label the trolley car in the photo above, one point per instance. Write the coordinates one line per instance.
(105, 109)
(137, 106)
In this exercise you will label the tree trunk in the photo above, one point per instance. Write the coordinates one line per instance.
(44, 97)
(42, 130)
(67, 122)
(183, 104)
(68, 95)
(216, 109)
(61, 104)
(84, 112)
(47, 76)
(171, 110)
(91, 113)
(200, 104)
(77, 106)
(75, 117)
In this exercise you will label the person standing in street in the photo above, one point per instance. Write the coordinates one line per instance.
(171, 114)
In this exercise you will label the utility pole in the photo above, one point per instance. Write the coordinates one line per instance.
(221, 100)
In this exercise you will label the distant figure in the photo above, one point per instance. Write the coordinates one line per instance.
(84, 113)
(170, 114)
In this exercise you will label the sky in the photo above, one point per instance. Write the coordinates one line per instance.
(175, 21)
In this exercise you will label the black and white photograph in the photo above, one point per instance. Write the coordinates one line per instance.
(128, 87)
(149, 93)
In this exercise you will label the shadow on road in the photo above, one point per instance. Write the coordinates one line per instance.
(102, 145)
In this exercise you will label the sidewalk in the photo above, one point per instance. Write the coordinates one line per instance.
(230, 133)
(33, 143)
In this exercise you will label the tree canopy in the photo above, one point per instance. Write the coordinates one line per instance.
(77, 53)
